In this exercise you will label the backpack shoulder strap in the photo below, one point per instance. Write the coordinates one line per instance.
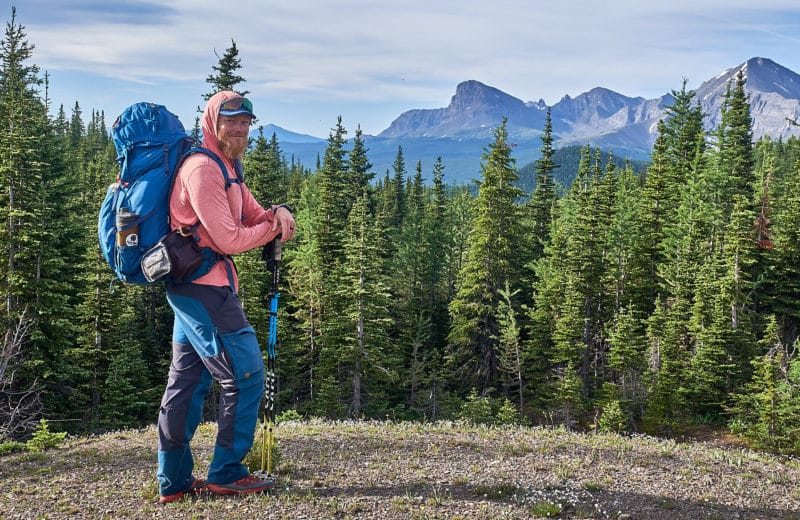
(216, 158)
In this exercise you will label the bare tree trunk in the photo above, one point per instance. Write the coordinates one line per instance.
(19, 406)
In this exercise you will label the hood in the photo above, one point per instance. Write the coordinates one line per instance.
(210, 116)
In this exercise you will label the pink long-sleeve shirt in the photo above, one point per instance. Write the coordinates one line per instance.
(231, 221)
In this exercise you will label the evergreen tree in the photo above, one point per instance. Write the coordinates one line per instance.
(510, 354)
(20, 164)
(667, 362)
(333, 209)
(331, 226)
(398, 190)
(722, 323)
(23, 168)
(98, 308)
(413, 316)
(735, 162)
(364, 317)
(623, 242)
(125, 391)
(653, 216)
(76, 130)
(680, 129)
(662, 298)
(780, 282)
(766, 411)
(438, 247)
(266, 170)
(226, 76)
(710, 362)
(626, 356)
(543, 198)
(305, 306)
(490, 263)
(359, 169)
(687, 201)
(583, 301)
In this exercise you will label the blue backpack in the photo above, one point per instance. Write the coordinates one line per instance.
(151, 144)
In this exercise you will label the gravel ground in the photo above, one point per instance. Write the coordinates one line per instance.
(371, 470)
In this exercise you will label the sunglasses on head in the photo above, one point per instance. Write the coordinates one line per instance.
(239, 104)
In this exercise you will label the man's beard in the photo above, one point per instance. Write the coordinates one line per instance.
(233, 147)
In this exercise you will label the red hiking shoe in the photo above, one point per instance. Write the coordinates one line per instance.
(248, 484)
(196, 488)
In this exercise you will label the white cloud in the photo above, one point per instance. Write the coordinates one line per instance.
(391, 51)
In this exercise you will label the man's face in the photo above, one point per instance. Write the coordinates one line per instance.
(232, 134)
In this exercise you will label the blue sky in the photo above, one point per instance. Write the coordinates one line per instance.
(308, 61)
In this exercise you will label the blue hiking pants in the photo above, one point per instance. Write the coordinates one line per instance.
(211, 338)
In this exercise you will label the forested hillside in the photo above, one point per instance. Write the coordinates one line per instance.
(651, 301)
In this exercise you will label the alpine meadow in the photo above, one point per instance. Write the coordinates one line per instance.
(661, 300)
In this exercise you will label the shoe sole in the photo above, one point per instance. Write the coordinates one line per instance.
(193, 492)
(219, 490)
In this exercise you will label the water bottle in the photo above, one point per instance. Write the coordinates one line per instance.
(127, 228)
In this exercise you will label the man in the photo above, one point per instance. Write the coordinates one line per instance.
(211, 336)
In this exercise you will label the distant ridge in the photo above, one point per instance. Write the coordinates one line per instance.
(285, 136)
(600, 117)
(474, 112)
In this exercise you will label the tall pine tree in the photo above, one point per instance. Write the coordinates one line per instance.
(491, 261)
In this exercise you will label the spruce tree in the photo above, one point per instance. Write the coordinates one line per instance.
(26, 146)
(627, 356)
(780, 282)
(682, 124)
(543, 198)
(490, 263)
(332, 212)
(766, 410)
(363, 319)
(305, 278)
(438, 247)
(226, 76)
(333, 208)
(735, 161)
(653, 216)
(21, 166)
(578, 324)
(266, 170)
(413, 315)
(398, 190)
(722, 322)
(510, 351)
(359, 169)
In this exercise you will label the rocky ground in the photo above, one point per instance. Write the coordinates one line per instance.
(417, 471)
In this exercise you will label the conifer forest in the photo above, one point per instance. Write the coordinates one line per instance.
(655, 301)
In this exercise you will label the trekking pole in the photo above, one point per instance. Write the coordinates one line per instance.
(272, 255)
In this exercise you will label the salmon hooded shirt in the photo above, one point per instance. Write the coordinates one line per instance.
(230, 220)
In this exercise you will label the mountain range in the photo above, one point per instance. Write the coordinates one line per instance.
(602, 118)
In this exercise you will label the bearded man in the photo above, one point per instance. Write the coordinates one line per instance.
(212, 339)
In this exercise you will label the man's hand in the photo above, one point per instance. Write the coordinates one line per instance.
(283, 223)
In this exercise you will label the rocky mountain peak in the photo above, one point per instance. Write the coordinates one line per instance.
(475, 110)
(602, 117)
(773, 91)
(474, 94)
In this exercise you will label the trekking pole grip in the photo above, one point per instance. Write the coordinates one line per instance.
(272, 252)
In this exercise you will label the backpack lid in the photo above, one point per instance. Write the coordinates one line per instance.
(145, 124)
